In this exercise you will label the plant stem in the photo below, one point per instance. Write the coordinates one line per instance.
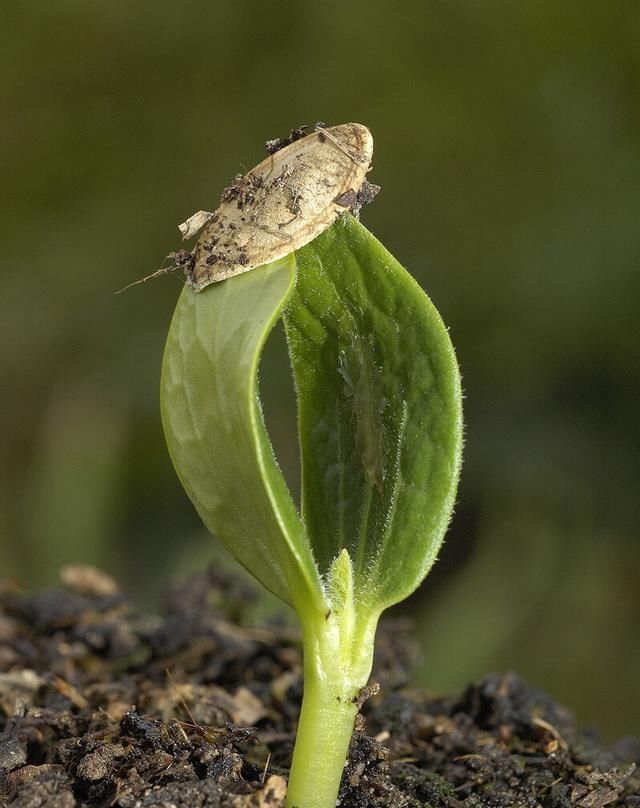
(334, 674)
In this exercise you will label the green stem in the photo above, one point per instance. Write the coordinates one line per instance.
(335, 671)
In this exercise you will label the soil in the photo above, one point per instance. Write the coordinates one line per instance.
(103, 706)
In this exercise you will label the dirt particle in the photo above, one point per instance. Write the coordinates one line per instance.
(354, 201)
(348, 200)
(273, 146)
(88, 580)
(144, 729)
(230, 193)
(13, 754)
(93, 767)
(365, 694)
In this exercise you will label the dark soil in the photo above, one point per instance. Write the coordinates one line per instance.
(102, 706)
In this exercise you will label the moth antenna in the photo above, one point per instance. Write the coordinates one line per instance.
(156, 274)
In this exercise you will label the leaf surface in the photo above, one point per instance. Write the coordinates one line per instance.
(216, 435)
(380, 414)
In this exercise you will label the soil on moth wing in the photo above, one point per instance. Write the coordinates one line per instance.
(103, 706)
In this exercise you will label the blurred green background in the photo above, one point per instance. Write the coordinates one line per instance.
(508, 150)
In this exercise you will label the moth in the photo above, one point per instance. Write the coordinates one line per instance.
(279, 206)
(282, 204)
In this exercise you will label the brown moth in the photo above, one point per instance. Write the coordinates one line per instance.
(283, 203)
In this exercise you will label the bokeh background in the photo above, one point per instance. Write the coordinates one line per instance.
(508, 150)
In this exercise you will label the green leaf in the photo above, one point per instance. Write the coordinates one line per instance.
(216, 434)
(380, 413)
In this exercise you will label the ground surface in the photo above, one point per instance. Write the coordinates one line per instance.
(102, 706)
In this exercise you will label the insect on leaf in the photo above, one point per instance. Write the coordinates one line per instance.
(282, 203)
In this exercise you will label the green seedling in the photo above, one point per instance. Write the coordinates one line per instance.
(380, 431)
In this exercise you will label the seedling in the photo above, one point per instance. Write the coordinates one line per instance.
(380, 430)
